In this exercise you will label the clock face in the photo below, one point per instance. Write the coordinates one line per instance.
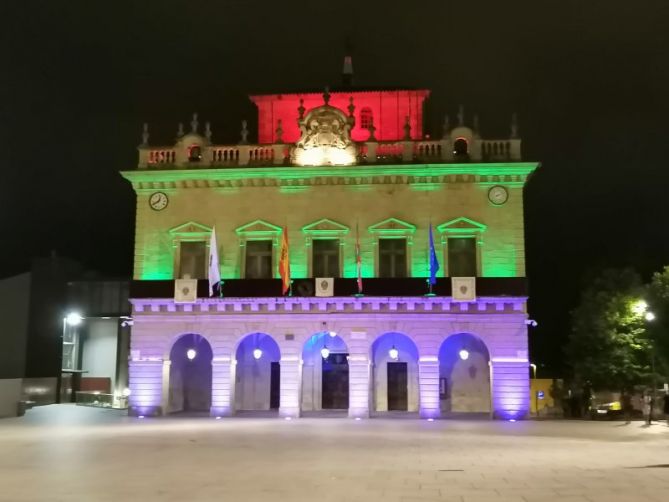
(498, 195)
(158, 201)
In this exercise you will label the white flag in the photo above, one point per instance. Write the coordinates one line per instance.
(214, 269)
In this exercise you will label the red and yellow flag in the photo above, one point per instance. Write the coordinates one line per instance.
(284, 262)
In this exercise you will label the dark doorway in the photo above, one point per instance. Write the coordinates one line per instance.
(397, 387)
(335, 382)
(275, 386)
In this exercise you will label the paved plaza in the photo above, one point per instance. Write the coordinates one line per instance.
(67, 453)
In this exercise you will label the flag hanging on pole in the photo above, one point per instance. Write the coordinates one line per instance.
(358, 259)
(214, 275)
(434, 263)
(284, 262)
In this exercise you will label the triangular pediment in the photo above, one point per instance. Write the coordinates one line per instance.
(391, 226)
(258, 227)
(462, 224)
(325, 226)
(190, 228)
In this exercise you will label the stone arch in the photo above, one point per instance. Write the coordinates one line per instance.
(257, 373)
(325, 380)
(394, 380)
(190, 374)
(464, 375)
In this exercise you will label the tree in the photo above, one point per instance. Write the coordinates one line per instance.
(658, 301)
(608, 344)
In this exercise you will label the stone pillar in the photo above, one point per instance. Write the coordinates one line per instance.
(143, 157)
(371, 151)
(145, 380)
(515, 153)
(291, 376)
(278, 150)
(510, 382)
(221, 387)
(428, 383)
(407, 151)
(244, 155)
(358, 386)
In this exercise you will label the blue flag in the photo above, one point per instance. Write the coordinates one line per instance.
(434, 263)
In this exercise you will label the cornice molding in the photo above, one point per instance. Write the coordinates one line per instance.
(418, 176)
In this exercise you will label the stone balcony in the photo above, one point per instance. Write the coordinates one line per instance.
(371, 152)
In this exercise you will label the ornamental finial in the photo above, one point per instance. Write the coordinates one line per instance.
(244, 133)
(461, 116)
(207, 131)
(145, 134)
(326, 95)
(514, 125)
(180, 130)
(301, 109)
(407, 129)
(371, 129)
(194, 124)
(351, 106)
(476, 123)
(279, 132)
(446, 127)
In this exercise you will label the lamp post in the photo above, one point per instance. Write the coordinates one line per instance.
(650, 317)
(536, 392)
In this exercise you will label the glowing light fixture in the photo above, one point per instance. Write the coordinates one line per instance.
(332, 333)
(325, 352)
(218, 418)
(464, 354)
(74, 319)
(141, 416)
(126, 392)
(650, 316)
(257, 353)
(394, 353)
(430, 419)
(190, 354)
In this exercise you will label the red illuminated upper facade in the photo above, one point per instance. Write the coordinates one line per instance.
(386, 109)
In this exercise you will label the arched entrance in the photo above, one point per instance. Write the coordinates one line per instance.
(257, 373)
(394, 373)
(190, 375)
(464, 375)
(325, 373)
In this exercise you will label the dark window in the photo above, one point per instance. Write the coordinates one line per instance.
(258, 260)
(365, 118)
(460, 147)
(192, 260)
(392, 257)
(462, 257)
(325, 258)
(195, 153)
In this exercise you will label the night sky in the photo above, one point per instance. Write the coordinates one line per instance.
(589, 80)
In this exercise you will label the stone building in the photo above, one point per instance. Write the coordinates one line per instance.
(332, 169)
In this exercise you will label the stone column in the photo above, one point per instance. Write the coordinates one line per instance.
(221, 387)
(291, 376)
(358, 386)
(428, 383)
(145, 380)
(371, 151)
(510, 383)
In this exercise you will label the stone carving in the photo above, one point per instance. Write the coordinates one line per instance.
(207, 131)
(194, 124)
(279, 132)
(325, 138)
(461, 116)
(446, 127)
(371, 130)
(180, 130)
(407, 129)
(514, 126)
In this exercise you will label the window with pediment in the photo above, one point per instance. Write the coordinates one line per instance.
(258, 241)
(191, 249)
(462, 240)
(324, 240)
(393, 240)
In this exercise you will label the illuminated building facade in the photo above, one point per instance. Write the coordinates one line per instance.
(332, 169)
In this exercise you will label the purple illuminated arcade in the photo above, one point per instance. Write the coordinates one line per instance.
(351, 204)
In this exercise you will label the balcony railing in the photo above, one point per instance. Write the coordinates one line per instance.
(371, 152)
(415, 286)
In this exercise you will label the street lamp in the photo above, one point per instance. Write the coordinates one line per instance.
(536, 396)
(73, 319)
(650, 316)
